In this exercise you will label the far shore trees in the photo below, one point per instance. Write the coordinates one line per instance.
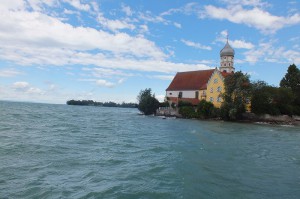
(147, 103)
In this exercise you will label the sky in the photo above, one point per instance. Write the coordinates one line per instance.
(52, 51)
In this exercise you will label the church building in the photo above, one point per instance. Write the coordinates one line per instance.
(193, 86)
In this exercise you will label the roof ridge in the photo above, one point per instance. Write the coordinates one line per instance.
(196, 71)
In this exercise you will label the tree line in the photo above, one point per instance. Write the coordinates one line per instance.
(239, 94)
(104, 104)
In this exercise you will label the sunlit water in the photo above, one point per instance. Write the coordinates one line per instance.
(60, 151)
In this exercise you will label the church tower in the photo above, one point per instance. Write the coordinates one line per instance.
(227, 58)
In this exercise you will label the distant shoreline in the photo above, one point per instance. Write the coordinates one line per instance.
(101, 104)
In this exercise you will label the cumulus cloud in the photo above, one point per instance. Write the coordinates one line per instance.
(102, 82)
(254, 17)
(25, 87)
(127, 10)
(114, 25)
(269, 52)
(177, 25)
(41, 32)
(195, 45)
(234, 43)
(78, 5)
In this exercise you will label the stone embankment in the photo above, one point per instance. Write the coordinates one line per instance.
(272, 119)
(168, 112)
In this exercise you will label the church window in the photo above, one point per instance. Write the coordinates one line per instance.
(211, 90)
(215, 80)
(180, 94)
(211, 99)
(196, 94)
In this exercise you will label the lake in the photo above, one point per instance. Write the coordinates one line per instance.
(60, 151)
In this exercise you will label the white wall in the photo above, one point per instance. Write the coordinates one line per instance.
(185, 94)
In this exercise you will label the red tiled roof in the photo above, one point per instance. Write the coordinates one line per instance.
(193, 80)
(175, 100)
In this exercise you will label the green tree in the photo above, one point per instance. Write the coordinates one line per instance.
(271, 100)
(237, 93)
(291, 78)
(147, 103)
(205, 109)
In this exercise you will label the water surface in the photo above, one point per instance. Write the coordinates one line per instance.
(60, 151)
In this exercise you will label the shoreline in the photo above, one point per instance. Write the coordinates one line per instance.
(281, 120)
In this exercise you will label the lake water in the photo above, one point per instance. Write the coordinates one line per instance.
(60, 151)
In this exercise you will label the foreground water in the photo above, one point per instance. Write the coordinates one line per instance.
(60, 151)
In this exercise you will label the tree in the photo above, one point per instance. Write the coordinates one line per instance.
(291, 78)
(147, 103)
(271, 100)
(237, 93)
(205, 109)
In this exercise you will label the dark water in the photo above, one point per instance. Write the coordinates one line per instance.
(60, 151)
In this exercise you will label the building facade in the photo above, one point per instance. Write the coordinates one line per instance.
(194, 86)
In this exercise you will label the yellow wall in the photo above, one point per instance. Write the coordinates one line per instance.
(215, 81)
(202, 94)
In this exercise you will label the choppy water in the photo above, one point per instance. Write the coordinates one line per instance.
(60, 151)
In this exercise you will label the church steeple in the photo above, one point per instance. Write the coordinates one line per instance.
(227, 58)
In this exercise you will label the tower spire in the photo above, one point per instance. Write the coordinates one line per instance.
(227, 36)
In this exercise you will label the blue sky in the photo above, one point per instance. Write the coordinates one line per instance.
(55, 50)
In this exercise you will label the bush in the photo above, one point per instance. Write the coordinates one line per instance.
(205, 109)
(184, 103)
(188, 112)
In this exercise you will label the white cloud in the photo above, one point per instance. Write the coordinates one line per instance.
(9, 72)
(95, 6)
(78, 5)
(255, 17)
(234, 43)
(255, 3)
(149, 17)
(114, 25)
(127, 10)
(20, 85)
(195, 45)
(106, 72)
(163, 77)
(12, 5)
(144, 28)
(187, 9)
(268, 52)
(102, 82)
(23, 31)
(177, 25)
(160, 98)
(25, 87)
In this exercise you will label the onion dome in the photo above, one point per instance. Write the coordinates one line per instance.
(227, 50)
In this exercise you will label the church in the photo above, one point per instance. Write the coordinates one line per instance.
(193, 86)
